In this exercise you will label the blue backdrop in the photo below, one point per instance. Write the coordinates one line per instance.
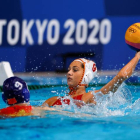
(42, 35)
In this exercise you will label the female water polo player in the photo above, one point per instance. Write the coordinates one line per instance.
(17, 96)
(81, 72)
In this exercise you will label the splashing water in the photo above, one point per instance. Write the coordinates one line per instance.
(112, 104)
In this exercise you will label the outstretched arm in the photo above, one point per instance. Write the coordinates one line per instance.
(123, 74)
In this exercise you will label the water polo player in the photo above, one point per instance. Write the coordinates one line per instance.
(17, 96)
(81, 72)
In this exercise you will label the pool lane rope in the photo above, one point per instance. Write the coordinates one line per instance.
(36, 87)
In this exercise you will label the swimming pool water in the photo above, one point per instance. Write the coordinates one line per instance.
(116, 117)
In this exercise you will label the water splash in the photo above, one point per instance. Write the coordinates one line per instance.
(112, 104)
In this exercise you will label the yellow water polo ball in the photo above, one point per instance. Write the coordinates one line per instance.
(132, 36)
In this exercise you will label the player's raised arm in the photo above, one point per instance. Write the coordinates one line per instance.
(122, 75)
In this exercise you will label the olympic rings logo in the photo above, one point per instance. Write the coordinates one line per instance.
(132, 30)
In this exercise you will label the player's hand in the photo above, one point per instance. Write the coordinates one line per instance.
(79, 103)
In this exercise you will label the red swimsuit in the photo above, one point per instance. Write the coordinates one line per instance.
(67, 101)
(16, 110)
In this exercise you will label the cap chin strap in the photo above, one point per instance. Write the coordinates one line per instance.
(72, 90)
(79, 84)
(85, 85)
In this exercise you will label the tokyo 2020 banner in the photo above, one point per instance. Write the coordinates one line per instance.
(47, 35)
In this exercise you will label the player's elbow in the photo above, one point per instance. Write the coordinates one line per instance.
(124, 75)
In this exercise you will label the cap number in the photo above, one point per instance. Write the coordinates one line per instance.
(18, 85)
(94, 68)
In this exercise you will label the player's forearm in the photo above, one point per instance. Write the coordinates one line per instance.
(128, 69)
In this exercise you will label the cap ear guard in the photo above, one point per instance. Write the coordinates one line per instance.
(89, 77)
(89, 72)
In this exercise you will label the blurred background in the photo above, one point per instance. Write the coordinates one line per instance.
(46, 35)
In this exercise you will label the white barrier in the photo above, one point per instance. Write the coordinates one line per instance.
(5, 71)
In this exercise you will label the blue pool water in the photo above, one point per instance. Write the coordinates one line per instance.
(116, 116)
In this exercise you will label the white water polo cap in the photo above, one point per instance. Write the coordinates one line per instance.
(89, 72)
